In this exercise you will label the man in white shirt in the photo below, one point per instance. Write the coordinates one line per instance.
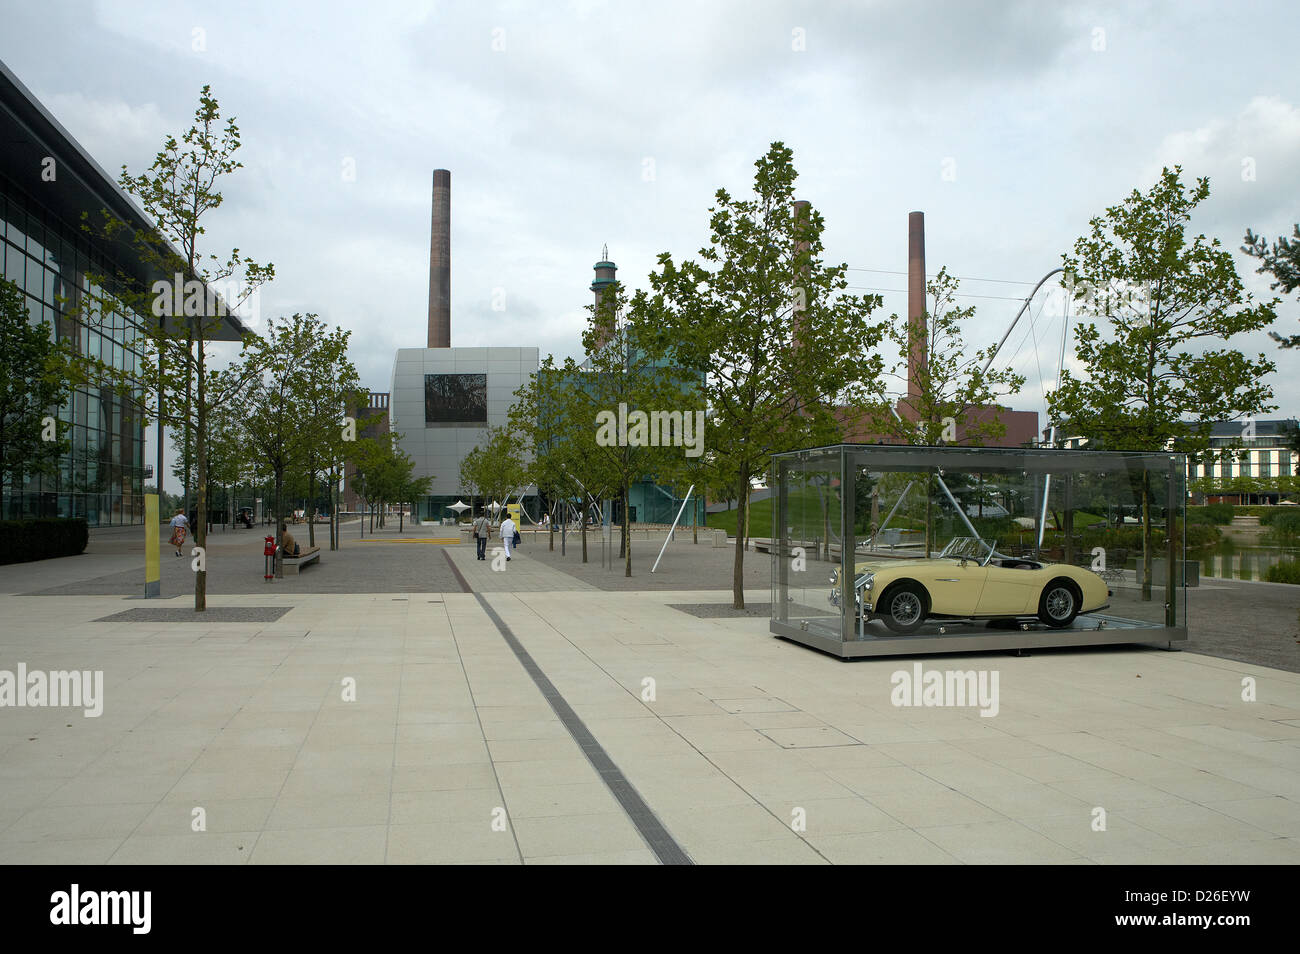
(508, 533)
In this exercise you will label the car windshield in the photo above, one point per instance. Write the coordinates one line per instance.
(966, 548)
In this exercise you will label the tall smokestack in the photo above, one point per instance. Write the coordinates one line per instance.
(916, 344)
(440, 262)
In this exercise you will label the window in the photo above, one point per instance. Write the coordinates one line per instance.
(455, 399)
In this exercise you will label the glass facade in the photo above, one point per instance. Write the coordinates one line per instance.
(102, 477)
(891, 549)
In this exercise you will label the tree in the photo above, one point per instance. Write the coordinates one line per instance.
(496, 466)
(385, 473)
(945, 387)
(33, 386)
(768, 325)
(539, 417)
(175, 384)
(948, 384)
(619, 401)
(293, 412)
(1153, 376)
(1282, 261)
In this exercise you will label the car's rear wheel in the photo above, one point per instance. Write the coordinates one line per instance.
(1059, 604)
(904, 607)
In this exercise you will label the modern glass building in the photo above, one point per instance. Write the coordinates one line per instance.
(47, 182)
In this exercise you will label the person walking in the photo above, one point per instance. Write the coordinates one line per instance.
(481, 530)
(180, 526)
(507, 533)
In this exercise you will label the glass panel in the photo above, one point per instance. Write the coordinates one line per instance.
(808, 511)
(957, 541)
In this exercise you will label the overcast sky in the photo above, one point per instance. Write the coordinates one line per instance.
(570, 125)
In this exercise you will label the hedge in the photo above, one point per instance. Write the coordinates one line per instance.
(1219, 513)
(42, 538)
(1285, 571)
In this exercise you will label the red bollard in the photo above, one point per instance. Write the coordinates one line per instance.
(268, 550)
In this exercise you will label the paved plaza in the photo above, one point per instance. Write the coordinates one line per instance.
(461, 714)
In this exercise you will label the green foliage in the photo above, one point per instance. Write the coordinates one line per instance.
(33, 385)
(1284, 528)
(1284, 571)
(495, 468)
(42, 538)
(174, 383)
(290, 411)
(1162, 302)
(1155, 306)
(952, 380)
(1218, 514)
(780, 342)
(1282, 261)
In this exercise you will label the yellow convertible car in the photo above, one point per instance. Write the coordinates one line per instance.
(971, 580)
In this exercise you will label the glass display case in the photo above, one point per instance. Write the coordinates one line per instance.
(887, 549)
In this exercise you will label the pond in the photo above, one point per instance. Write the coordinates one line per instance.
(1235, 561)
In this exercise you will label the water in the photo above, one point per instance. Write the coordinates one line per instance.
(1236, 561)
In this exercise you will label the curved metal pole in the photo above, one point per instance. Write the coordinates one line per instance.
(1051, 438)
(1019, 314)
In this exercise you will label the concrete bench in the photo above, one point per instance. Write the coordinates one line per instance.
(292, 564)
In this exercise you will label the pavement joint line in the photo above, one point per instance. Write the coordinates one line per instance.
(647, 824)
(460, 577)
(469, 687)
(677, 732)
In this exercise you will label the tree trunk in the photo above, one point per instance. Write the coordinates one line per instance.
(584, 532)
(311, 504)
(201, 476)
(627, 530)
(551, 527)
(738, 564)
(695, 521)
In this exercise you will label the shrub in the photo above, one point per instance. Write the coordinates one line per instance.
(1284, 528)
(42, 538)
(1218, 513)
(1286, 571)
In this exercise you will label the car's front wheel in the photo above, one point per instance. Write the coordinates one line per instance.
(1059, 604)
(903, 608)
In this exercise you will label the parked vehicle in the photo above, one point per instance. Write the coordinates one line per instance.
(970, 579)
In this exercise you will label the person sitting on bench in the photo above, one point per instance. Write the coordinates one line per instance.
(287, 543)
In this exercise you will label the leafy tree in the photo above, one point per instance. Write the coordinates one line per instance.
(769, 325)
(540, 417)
(496, 467)
(946, 387)
(628, 376)
(1282, 261)
(1159, 304)
(175, 384)
(951, 382)
(33, 385)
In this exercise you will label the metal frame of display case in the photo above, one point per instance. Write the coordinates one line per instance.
(1097, 629)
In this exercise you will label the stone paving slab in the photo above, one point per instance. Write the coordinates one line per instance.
(401, 727)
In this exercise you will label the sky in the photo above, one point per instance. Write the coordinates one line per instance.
(569, 126)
